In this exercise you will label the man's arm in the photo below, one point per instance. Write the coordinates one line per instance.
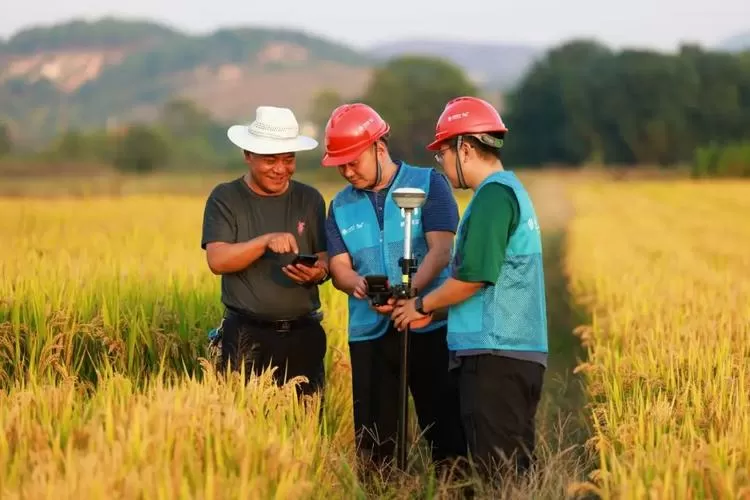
(320, 243)
(451, 292)
(492, 219)
(343, 275)
(224, 254)
(345, 278)
(439, 223)
(227, 258)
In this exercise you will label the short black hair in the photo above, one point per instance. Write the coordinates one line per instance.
(485, 151)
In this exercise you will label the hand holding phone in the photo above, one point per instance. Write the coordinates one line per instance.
(308, 260)
(304, 269)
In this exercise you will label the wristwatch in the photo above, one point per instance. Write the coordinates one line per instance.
(324, 278)
(419, 307)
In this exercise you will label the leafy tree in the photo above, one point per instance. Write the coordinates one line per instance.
(72, 146)
(410, 93)
(194, 137)
(323, 103)
(550, 115)
(584, 103)
(141, 150)
(182, 117)
(6, 141)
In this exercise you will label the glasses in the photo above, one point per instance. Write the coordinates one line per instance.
(439, 156)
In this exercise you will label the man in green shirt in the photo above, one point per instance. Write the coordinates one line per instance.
(497, 326)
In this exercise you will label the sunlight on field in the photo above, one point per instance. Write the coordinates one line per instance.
(94, 287)
(665, 267)
(105, 303)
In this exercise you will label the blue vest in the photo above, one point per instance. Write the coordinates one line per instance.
(376, 251)
(511, 315)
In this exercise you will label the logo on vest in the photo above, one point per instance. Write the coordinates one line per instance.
(533, 224)
(353, 227)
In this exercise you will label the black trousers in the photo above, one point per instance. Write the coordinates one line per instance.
(298, 350)
(375, 387)
(499, 399)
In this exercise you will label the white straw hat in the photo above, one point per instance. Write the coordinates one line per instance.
(275, 130)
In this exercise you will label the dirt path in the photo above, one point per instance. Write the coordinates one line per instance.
(562, 415)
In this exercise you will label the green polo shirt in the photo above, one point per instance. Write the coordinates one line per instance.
(493, 218)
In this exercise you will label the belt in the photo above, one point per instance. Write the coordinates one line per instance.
(279, 325)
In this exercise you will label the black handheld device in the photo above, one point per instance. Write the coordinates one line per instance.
(305, 259)
(378, 289)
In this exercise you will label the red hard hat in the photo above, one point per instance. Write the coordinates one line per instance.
(466, 115)
(351, 129)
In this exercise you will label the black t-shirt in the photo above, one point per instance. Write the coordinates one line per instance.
(234, 213)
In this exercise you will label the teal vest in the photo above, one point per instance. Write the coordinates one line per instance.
(376, 251)
(512, 314)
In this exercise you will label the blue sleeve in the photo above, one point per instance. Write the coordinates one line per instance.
(440, 211)
(334, 240)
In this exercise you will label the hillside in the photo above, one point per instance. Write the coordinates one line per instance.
(84, 74)
(491, 65)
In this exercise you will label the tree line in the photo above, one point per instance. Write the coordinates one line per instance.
(582, 103)
(586, 103)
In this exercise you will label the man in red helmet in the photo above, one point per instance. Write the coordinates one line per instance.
(497, 326)
(365, 235)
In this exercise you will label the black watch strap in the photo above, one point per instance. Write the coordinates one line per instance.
(419, 306)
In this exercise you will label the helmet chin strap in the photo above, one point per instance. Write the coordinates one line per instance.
(459, 169)
(378, 170)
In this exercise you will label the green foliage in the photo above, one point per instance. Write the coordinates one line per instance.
(585, 103)
(106, 32)
(410, 93)
(36, 106)
(6, 141)
(141, 150)
(184, 137)
(323, 104)
(158, 59)
(714, 160)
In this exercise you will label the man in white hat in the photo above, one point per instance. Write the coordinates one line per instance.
(253, 229)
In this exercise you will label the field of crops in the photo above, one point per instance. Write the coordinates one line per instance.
(105, 304)
(665, 268)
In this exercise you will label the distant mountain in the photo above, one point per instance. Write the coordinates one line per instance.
(108, 71)
(736, 43)
(493, 65)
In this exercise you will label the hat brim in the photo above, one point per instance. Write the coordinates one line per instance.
(330, 160)
(435, 145)
(241, 137)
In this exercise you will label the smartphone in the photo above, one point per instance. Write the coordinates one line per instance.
(305, 259)
(378, 289)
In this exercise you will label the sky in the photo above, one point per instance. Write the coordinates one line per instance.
(657, 24)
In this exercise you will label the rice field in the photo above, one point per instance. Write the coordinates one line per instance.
(106, 301)
(665, 270)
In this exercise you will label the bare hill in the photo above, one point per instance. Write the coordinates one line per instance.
(85, 74)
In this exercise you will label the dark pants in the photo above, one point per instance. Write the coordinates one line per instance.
(298, 350)
(375, 386)
(499, 398)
